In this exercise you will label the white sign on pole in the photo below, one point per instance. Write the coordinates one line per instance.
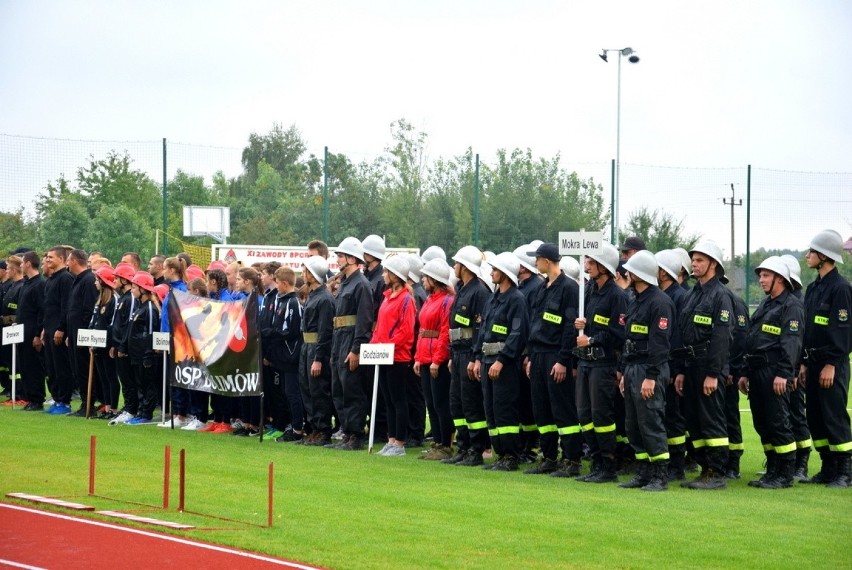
(580, 243)
(376, 354)
(13, 334)
(162, 341)
(92, 337)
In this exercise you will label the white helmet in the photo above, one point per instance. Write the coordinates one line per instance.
(776, 265)
(507, 264)
(485, 275)
(570, 266)
(710, 249)
(685, 260)
(830, 244)
(470, 257)
(375, 246)
(398, 265)
(526, 261)
(643, 265)
(433, 252)
(438, 270)
(670, 261)
(351, 246)
(608, 257)
(415, 264)
(318, 266)
(534, 244)
(795, 269)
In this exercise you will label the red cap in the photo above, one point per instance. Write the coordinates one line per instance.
(194, 272)
(216, 264)
(162, 290)
(125, 271)
(106, 275)
(144, 280)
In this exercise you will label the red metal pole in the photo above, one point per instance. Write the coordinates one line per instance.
(182, 480)
(271, 479)
(167, 467)
(92, 446)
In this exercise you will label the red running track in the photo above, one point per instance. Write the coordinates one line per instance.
(45, 539)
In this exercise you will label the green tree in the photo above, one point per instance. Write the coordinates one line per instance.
(659, 230)
(16, 231)
(113, 181)
(135, 234)
(65, 222)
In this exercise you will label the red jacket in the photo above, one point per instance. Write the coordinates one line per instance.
(395, 324)
(435, 316)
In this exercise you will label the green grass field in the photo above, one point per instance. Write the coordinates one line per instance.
(350, 510)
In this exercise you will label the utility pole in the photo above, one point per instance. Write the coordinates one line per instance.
(732, 203)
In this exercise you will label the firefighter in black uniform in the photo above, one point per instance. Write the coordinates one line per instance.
(8, 308)
(30, 313)
(57, 298)
(602, 335)
(669, 263)
(552, 339)
(825, 354)
(353, 324)
(644, 373)
(774, 343)
(529, 283)
(736, 369)
(465, 392)
(798, 413)
(498, 350)
(705, 326)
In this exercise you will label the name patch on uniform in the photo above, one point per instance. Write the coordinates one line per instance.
(771, 329)
(663, 324)
(463, 321)
(724, 315)
(702, 320)
(842, 315)
(601, 320)
(499, 329)
(821, 320)
(638, 329)
(551, 318)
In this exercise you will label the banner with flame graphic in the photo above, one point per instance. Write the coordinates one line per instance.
(215, 344)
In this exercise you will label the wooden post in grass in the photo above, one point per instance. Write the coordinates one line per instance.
(269, 508)
(92, 445)
(167, 466)
(182, 488)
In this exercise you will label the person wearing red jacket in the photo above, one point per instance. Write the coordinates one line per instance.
(395, 325)
(433, 354)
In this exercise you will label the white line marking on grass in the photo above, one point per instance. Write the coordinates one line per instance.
(170, 538)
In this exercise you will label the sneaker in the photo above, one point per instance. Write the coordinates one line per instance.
(138, 421)
(33, 407)
(121, 418)
(354, 443)
(58, 409)
(223, 427)
(290, 435)
(194, 425)
(337, 435)
(273, 433)
(395, 451)
(385, 449)
(437, 453)
(179, 423)
(49, 402)
(9, 402)
(209, 427)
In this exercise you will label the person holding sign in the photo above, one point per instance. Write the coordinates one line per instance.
(498, 350)
(600, 338)
(644, 372)
(395, 325)
(102, 319)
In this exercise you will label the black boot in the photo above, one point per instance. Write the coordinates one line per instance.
(606, 474)
(546, 466)
(802, 457)
(641, 478)
(710, 479)
(827, 472)
(732, 469)
(783, 479)
(843, 465)
(771, 470)
(659, 477)
(461, 453)
(567, 469)
(597, 463)
(676, 470)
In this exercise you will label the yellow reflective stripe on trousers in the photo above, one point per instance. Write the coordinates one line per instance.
(661, 457)
(507, 429)
(530, 427)
(698, 443)
(621, 439)
(641, 456)
(736, 446)
(459, 422)
(820, 443)
(547, 429)
(590, 427)
(569, 430)
(492, 432)
(477, 425)
(804, 444)
(605, 429)
(841, 447)
(679, 440)
(788, 448)
(716, 442)
(767, 447)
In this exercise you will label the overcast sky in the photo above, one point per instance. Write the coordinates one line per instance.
(720, 84)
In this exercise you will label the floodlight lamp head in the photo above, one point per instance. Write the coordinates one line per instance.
(633, 59)
(602, 55)
(626, 51)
